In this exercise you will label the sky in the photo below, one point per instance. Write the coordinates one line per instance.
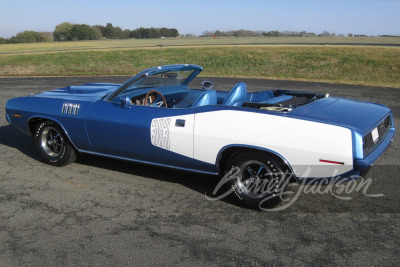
(370, 17)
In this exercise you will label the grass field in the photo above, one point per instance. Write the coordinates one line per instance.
(145, 43)
(377, 63)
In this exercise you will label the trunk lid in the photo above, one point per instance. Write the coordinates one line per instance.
(354, 114)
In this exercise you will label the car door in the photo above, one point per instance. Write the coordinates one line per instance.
(162, 136)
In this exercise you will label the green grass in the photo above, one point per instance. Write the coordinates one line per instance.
(367, 65)
(145, 43)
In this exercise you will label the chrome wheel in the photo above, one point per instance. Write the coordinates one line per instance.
(52, 144)
(52, 141)
(256, 180)
(259, 180)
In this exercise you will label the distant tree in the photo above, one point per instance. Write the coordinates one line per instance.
(109, 31)
(245, 33)
(126, 34)
(324, 33)
(27, 37)
(272, 34)
(237, 33)
(68, 32)
(136, 34)
(117, 33)
(303, 34)
(143, 33)
(155, 33)
(101, 28)
(164, 32)
(82, 32)
(3, 40)
(47, 36)
(218, 33)
(288, 34)
(386, 35)
(62, 32)
(172, 33)
(97, 32)
(207, 34)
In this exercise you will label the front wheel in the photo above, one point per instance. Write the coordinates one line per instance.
(52, 144)
(257, 180)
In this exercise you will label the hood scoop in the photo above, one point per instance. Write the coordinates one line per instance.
(84, 89)
(89, 91)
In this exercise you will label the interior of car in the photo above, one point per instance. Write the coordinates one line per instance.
(183, 97)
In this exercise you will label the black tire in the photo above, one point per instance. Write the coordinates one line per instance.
(52, 144)
(258, 181)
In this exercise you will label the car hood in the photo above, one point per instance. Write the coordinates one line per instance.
(89, 92)
(353, 114)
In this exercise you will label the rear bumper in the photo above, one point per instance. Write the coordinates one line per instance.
(362, 164)
(8, 118)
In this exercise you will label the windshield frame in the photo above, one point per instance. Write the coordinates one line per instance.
(154, 71)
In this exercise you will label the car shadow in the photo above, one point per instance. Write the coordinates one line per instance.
(11, 137)
(202, 183)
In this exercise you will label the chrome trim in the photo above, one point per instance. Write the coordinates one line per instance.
(69, 108)
(8, 118)
(64, 107)
(147, 162)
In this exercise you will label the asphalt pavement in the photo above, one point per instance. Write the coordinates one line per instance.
(100, 211)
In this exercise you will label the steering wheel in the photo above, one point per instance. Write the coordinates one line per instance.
(157, 92)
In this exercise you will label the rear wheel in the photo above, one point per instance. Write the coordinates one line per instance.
(257, 180)
(52, 145)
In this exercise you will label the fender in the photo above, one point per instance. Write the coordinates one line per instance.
(51, 119)
(261, 149)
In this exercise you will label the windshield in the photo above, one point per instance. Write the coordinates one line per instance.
(161, 76)
(162, 79)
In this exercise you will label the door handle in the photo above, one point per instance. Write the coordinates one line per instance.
(180, 123)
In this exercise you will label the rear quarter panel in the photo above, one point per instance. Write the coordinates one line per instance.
(302, 143)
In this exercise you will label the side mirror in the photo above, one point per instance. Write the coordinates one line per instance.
(125, 100)
(207, 85)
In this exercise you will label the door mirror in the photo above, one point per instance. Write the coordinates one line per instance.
(207, 85)
(125, 100)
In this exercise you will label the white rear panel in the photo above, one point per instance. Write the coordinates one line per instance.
(302, 143)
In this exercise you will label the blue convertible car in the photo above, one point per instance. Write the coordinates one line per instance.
(156, 118)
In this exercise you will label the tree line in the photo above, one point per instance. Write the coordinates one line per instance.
(28, 37)
(75, 32)
(247, 33)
